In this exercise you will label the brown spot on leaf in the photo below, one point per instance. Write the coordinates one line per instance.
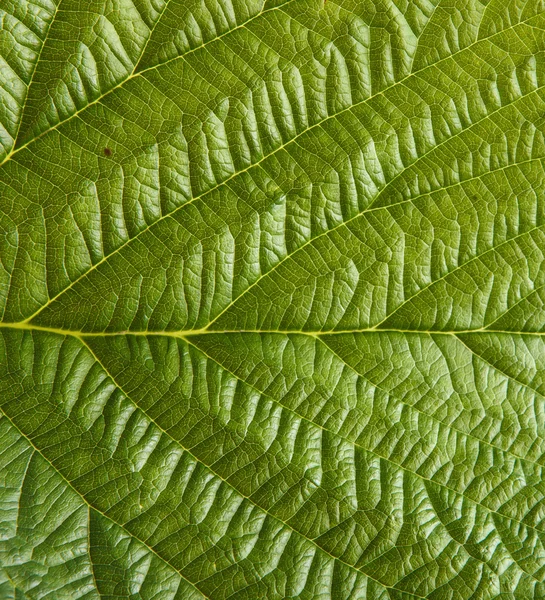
(107, 151)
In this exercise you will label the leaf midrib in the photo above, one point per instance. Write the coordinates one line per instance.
(183, 333)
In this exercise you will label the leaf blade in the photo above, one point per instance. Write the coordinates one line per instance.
(271, 286)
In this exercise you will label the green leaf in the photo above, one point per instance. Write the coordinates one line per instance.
(272, 298)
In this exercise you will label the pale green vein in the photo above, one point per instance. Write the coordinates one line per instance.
(12, 583)
(191, 341)
(143, 51)
(21, 490)
(24, 325)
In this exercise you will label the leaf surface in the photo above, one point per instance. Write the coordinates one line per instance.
(272, 290)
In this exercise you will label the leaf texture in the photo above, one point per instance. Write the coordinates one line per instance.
(272, 298)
